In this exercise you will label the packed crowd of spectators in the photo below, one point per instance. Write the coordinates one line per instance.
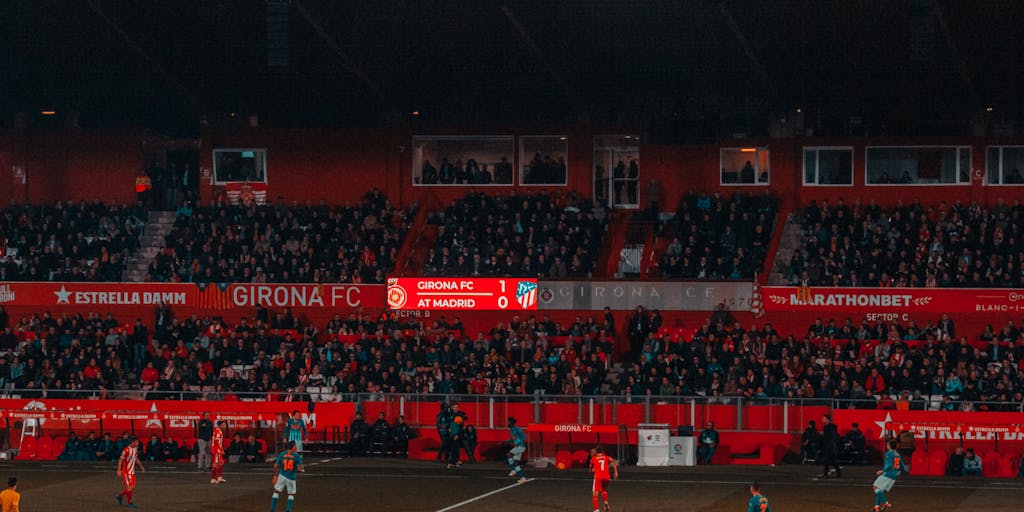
(926, 366)
(284, 243)
(718, 238)
(68, 241)
(944, 245)
(77, 355)
(553, 236)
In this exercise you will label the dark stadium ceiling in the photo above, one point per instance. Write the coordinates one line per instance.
(928, 65)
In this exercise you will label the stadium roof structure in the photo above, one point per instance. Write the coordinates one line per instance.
(911, 64)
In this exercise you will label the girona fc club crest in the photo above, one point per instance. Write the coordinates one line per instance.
(396, 296)
(526, 294)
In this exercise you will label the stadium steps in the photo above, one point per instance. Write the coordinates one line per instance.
(792, 236)
(152, 241)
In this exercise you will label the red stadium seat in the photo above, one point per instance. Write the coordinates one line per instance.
(990, 464)
(937, 462)
(579, 458)
(563, 457)
(56, 449)
(28, 448)
(44, 448)
(1010, 465)
(919, 463)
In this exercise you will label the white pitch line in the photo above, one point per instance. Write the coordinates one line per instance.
(482, 496)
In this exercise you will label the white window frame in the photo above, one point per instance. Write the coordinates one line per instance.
(817, 161)
(512, 159)
(958, 183)
(757, 170)
(984, 180)
(521, 160)
(266, 165)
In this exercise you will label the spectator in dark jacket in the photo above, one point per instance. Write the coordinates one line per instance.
(253, 451)
(955, 464)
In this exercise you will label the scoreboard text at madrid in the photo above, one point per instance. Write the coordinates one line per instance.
(456, 293)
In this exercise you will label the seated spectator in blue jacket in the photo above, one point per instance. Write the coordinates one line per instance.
(71, 448)
(972, 464)
(154, 449)
(106, 448)
(708, 443)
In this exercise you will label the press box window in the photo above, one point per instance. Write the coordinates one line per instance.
(828, 166)
(233, 165)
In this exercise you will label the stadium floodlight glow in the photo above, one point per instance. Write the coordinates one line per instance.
(748, 150)
(988, 109)
(48, 112)
(415, 112)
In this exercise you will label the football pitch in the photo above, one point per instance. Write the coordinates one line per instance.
(415, 486)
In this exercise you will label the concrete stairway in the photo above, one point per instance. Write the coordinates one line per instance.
(792, 239)
(152, 241)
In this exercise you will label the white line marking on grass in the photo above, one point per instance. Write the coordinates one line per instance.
(482, 496)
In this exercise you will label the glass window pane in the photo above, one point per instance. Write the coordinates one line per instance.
(992, 174)
(810, 167)
(745, 166)
(542, 160)
(235, 165)
(965, 165)
(1013, 166)
(917, 165)
(457, 160)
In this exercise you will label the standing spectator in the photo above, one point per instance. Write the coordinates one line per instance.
(469, 441)
(143, 184)
(708, 444)
(972, 464)
(400, 436)
(358, 432)
(810, 442)
(381, 429)
(455, 444)
(204, 432)
(443, 422)
(829, 447)
(639, 328)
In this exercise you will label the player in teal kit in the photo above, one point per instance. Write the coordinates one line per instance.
(518, 441)
(296, 429)
(887, 476)
(286, 466)
(758, 503)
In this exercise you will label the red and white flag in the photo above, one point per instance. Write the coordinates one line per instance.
(755, 300)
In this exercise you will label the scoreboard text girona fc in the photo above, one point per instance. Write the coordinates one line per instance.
(456, 293)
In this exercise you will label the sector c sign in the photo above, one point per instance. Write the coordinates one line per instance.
(457, 293)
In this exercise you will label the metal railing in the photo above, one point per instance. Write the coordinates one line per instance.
(730, 413)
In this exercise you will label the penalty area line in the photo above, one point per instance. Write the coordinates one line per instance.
(482, 496)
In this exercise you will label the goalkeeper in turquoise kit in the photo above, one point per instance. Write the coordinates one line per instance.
(887, 476)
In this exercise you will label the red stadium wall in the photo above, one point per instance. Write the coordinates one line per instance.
(70, 164)
(340, 164)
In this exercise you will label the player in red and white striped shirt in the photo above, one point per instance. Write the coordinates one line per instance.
(126, 466)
